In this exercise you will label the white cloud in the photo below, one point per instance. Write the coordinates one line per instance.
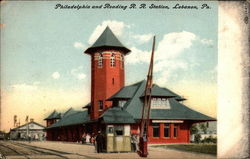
(166, 69)
(166, 55)
(24, 87)
(79, 45)
(77, 73)
(163, 65)
(81, 76)
(55, 75)
(170, 47)
(143, 38)
(137, 56)
(173, 44)
(116, 26)
(206, 42)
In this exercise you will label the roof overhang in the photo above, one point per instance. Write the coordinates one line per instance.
(91, 50)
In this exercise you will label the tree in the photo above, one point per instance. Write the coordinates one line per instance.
(197, 138)
(193, 129)
(203, 127)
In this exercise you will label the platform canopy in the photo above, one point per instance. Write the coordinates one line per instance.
(71, 117)
(107, 40)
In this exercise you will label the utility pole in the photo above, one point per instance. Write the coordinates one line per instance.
(27, 126)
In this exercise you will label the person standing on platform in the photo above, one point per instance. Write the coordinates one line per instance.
(83, 138)
(99, 142)
(87, 138)
(134, 143)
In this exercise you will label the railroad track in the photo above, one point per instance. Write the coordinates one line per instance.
(18, 149)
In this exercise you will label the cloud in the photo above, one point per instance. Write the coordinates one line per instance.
(167, 54)
(137, 56)
(77, 73)
(167, 69)
(116, 26)
(55, 75)
(207, 42)
(142, 38)
(79, 45)
(173, 44)
(24, 87)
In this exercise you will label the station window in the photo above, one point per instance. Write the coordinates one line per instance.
(110, 129)
(112, 60)
(119, 130)
(175, 130)
(100, 104)
(156, 129)
(166, 130)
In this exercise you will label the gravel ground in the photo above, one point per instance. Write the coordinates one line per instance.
(76, 150)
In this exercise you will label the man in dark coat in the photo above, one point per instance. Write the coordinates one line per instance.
(99, 142)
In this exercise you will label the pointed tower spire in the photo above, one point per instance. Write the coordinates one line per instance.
(107, 40)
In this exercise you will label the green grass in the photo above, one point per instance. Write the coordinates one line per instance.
(200, 148)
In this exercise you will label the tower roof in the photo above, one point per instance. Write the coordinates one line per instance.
(107, 40)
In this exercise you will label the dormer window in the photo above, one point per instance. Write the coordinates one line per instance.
(100, 62)
(112, 60)
(160, 103)
(121, 103)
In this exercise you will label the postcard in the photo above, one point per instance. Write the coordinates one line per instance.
(156, 79)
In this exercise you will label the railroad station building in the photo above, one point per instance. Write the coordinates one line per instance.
(116, 109)
(33, 129)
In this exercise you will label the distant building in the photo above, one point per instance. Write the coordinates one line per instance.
(116, 109)
(32, 129)
(3, 135)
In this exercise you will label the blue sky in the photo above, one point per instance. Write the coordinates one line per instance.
(42, 50)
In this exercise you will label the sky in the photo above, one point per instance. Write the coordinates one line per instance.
(43, 66)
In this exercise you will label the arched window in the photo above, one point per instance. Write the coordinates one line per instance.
(112, 60)
(100, 57)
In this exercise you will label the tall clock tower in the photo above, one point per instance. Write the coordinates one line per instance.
(107, 70)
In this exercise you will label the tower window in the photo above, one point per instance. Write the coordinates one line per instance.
(122, 61)
(100, 62)
(100, 104)
(112, 60)
(113, 80)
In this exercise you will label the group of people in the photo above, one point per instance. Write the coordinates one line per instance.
(87, 138)
(99, 141)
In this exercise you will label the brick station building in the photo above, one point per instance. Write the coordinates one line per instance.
(114, 103)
